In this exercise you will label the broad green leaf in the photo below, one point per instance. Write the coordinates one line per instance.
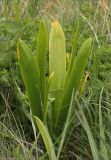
(46, 138)
(30, 74)
(57, 56)
(75, 77)
(42, 47)
(57, 65)
(46, 97)
(73, 52)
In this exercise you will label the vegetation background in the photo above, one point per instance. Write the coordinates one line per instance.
(19, 19)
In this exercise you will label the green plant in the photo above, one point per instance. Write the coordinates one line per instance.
(50, 98)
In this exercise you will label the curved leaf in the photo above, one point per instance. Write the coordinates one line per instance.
(46, 138)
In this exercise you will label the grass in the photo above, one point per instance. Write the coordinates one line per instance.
(93, 118)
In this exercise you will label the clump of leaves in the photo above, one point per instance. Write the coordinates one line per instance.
(51, 97)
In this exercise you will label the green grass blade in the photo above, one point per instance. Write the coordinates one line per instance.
(75, 77)
(95, 64)
(57, 56)
(30, 74)
(46, 138)
(42, 47)
(91, 139)
(67, 123)
(102, 131)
